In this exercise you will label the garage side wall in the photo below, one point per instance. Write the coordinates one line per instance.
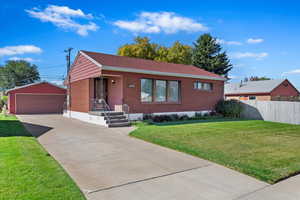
(42, 88)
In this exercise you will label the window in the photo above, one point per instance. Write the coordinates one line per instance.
(146, 90)
(173, 91)
(203, 86)
(252, 97)
(208, 86)
(159, 90)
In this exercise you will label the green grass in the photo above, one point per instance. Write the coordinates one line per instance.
(27, 171)
(265, 150)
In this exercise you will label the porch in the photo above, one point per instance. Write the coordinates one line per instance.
(106, 93)
(107, 100)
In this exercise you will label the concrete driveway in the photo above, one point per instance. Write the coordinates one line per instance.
(108, 164)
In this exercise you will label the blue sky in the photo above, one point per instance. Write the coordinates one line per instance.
(261, 37)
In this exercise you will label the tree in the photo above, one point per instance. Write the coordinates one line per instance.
(180, 54)
(256, 78)
(207, 55)
(162, 54)
(142, 48)
(18, 73)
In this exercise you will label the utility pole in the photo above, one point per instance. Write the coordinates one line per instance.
(68, 58)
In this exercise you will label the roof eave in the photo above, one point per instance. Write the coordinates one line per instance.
(133, 70)
(248, 93)
(32, 84)
(152, 72)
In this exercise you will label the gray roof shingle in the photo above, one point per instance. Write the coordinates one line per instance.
(252, 87)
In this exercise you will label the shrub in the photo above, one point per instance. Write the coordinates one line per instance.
(3, 102)
(147, 117)
(164, 118)
(4, 99)
(184, 117)
(4, 110)
(174, 117)
(229, 108)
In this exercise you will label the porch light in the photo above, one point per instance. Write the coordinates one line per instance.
(113, 81)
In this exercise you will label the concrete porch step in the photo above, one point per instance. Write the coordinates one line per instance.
(114, 113)
(116, 117)
(112, 118)
(118, 120)
(109, 113)
(119, 124)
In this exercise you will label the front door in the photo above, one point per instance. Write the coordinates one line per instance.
(100, 89)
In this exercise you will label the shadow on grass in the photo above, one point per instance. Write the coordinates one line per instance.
(12, 128)
(36, 130)
(198, 121)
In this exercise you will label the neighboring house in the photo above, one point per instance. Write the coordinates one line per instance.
(267, 90)
(36, 98)
(143, 86)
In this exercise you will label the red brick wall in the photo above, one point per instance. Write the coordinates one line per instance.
(43, 88)
(191, 99)
(285, 89)
(81, 92)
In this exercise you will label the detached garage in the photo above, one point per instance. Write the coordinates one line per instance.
(36, 98)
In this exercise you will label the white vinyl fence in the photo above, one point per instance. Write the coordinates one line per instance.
(275, 111)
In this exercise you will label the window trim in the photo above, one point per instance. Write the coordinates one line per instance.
(167, 95)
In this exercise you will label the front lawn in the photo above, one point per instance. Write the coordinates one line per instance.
(265, 150)
(26, 170)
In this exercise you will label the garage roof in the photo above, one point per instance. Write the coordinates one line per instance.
(37, 83)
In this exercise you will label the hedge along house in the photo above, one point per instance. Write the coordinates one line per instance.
(267, 90)
(102, 83)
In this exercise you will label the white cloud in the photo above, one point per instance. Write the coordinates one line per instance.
(28, 59)
(220, 41)
(249, 55)
(64, 10)
(63, 17)
(296, 71)
(255, 40)
(156, 22)
(18, 50)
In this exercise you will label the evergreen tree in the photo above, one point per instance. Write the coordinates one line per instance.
(207, 54)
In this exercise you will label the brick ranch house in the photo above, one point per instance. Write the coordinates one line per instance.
(106, 83)
(267, 90)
